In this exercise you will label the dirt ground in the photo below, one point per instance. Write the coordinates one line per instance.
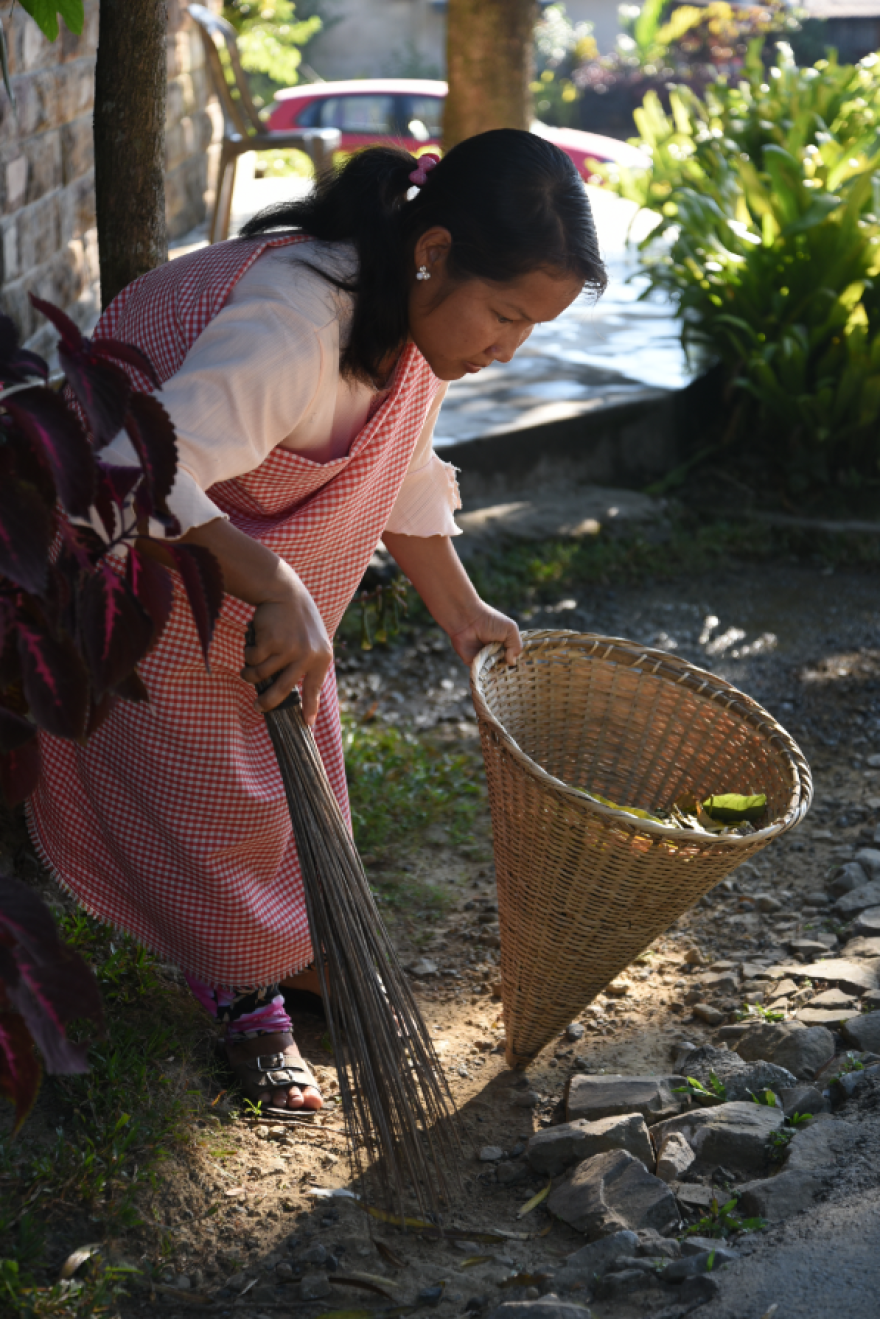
(240, 1210)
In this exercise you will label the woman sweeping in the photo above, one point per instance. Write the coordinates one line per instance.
(303, 366)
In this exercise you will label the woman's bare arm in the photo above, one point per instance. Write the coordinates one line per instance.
(438, 574)
(291, 640)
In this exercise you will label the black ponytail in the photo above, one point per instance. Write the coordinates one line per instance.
(513, 202)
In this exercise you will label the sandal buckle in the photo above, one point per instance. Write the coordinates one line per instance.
(266, 1062)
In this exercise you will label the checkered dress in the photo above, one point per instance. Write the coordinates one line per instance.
(172, 822)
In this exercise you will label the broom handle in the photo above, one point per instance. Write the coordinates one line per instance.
(291, 700)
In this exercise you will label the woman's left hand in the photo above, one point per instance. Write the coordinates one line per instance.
(485, 626)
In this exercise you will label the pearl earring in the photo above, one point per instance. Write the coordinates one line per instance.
(423, 273)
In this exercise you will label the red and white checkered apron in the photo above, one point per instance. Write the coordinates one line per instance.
(172, 822)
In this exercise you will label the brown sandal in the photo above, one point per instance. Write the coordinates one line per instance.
(266, 1063)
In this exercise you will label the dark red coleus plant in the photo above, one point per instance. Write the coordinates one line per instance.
(82, 600)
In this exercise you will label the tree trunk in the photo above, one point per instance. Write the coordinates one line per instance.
(489, 66)
(129, 127)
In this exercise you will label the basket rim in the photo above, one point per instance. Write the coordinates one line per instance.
(674, 669)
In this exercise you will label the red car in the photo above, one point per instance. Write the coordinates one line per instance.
(409, 111)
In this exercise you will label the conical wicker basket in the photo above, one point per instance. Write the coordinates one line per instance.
(583, 888)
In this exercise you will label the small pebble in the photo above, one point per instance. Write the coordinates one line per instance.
(574, 1031)
(491, 1154)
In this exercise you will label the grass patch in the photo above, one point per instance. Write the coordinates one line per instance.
(400, 784)
(113, 1128)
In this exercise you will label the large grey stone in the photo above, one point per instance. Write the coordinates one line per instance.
(548, 1307)
(864, 1031)
(775, 1198)
(741, 1079)
(732, 1135)
(868, 923)
(595, 1097)
(863, 945)
(847, 878)
(803, 1099)
(869, 859)
(824, 1144)
(858, 899)
(550, 1152)
(674, 1157)
(846, 972)
(691, 1265)
(803, 1050)
(593, 1260)
(613, 1191)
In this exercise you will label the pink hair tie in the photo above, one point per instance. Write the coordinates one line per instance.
(427, 162)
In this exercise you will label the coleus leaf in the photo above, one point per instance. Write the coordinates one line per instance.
(115, 629)
(203, 582)
(54, 679)
(151, 432)
(25, 535)
(47, 982)
(128, 353)
(20, 772)
(59, 439)
(20, 1071)
(101, 388)
(152, 586)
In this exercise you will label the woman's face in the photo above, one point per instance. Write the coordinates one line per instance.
(461, 327)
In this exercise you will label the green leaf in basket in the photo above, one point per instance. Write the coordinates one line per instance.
(733, 808)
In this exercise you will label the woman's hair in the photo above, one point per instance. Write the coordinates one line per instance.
(513, 203)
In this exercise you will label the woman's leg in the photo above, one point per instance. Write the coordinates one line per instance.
(258, 1027)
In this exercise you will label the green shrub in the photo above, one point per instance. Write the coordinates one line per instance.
(768, 193)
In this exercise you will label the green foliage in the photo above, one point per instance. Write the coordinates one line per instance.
(270, 40)
(46, 13)
(716, 1091)
(723, 1221)
(850, 1064)
(400, 784)
(758, 1012)
(769, 246)
(767, 1098)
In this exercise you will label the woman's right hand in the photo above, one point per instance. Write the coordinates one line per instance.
(290, 644)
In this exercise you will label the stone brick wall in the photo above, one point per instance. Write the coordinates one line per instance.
(48, 240)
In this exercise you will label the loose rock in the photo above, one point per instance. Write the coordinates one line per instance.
(803, 1099)
(847, 973)
(314, 1287)
(548, 1307)
(550, 1152)
(803, 1050)
(695, 1264)
(491, 1154)
(711, 1016)
(740, 1079)
(595, 1097)
(864, 945)
(869, 859)
(806, 947)
(734, 1135)
(674, 1159)
(600, 1255)
(613, 1191)
(868, 923)
(422, 968)
(864, 1031)
(858, 899)
(849, 877)
(821, 1146)
(574, 1031)
(775, 1198)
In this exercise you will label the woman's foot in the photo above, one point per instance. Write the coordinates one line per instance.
(271, 1071)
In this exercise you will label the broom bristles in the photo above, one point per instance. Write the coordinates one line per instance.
(396, 1103)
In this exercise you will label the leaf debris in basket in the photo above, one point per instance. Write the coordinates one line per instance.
(728, 814)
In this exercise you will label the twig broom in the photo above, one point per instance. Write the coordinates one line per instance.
(396, 1103)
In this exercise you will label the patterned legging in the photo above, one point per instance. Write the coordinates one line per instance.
(244, 1012)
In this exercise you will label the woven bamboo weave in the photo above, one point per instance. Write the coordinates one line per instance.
(584, 888)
